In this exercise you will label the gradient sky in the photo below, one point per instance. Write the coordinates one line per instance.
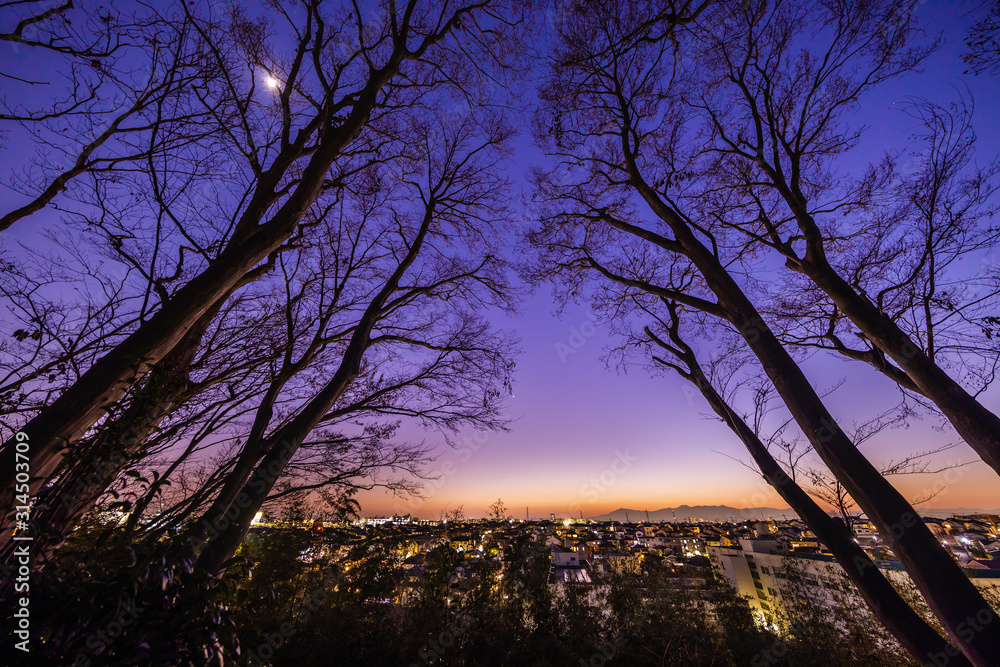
(574, 415)
(586, 438)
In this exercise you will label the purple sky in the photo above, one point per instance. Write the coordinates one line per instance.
(577, 418)
(593, 439)
(576, 415)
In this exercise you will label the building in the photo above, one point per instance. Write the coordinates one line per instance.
(770, 575)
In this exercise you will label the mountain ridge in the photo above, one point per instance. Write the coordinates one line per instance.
(693, 512)
(727, 513)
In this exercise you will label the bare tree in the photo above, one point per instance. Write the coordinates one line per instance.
(611, 209)
(121, 442)
(135, 102)
(909, 256)
(221, 350)
(670, 350)
(775, 119)
(983, 43)
(421, 268)
(323, 284)
(291, 147)
(498, 511)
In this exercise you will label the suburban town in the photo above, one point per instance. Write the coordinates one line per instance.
(750, 555)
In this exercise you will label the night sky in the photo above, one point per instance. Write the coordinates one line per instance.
(574, 413)
(574, 417)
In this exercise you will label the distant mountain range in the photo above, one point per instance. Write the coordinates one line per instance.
(691, 513)
(957, 511)
(726, 513)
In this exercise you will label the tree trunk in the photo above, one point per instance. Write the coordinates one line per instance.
(99, 461)
(62, 504)
(223, 532)
(952, 596)
(979, 427)
(227, 526)
(909, 629)
(83, 403)
(247, 463)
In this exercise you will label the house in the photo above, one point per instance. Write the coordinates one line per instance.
(568, 567)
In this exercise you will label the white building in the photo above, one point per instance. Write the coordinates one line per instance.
(758, 570)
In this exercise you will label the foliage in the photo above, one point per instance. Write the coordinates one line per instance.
(484, 611)
(107, 602)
